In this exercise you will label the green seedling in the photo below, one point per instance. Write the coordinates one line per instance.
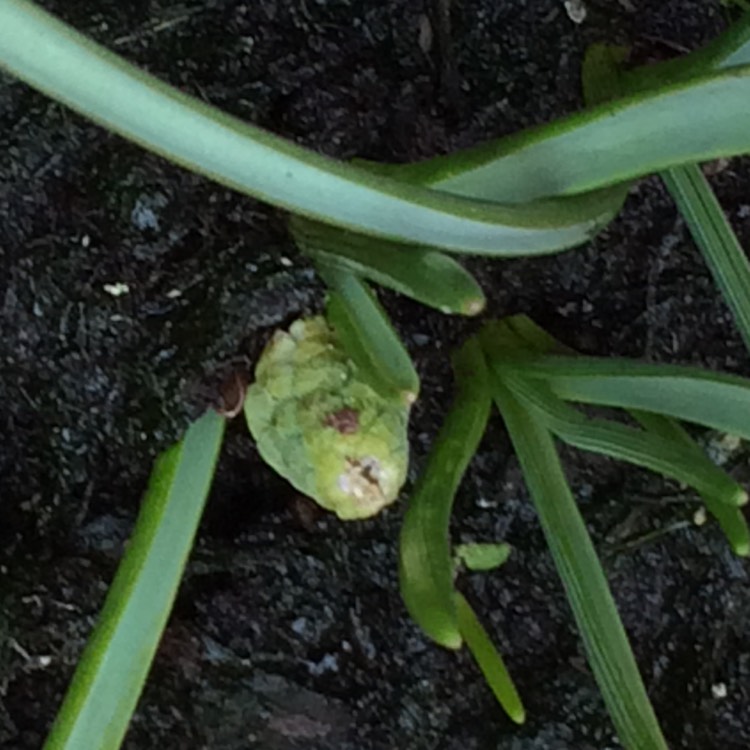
(531, 384)
(426, 565)
(605, 77)
(113, 668)
(489, 661)
(425, 560)
(545, 376)
(431, 277)
(532, 378)
(536, 192)
(609, 653)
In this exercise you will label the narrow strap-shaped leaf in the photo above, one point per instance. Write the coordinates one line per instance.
(604, 78)
(54, 58)
(61, 62)
(611, 143)
(519, 336)
(368, 337)
(630, 137)
(715, 238)
(114, 665)
(667, 428)
(691, 394)
(642, 448)
(504, 169)
(576, 561)
(735, 51)
(534, 163)
(489, 660)
(729, 49)
(731, 520)
(425, 561)
(425, 275)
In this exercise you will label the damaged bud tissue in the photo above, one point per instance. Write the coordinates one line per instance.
(322, 427)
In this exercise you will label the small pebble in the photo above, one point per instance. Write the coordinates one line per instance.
(117, 289)
(576, 11)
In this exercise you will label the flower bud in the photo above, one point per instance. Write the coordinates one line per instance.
(322, 427)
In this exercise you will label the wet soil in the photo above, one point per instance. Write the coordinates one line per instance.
(289, 630)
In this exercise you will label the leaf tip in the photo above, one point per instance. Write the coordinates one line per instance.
(451, 640)
(474, 306)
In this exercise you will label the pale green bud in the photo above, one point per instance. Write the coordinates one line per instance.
(322, 427)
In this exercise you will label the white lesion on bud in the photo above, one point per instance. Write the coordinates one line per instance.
(319, 423)
(362, 479)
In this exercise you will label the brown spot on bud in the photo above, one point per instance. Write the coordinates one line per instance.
(345, 421)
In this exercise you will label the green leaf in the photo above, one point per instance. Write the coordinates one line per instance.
(518, 336)
(736, 49)
(425, 561)
(489, 660)
(642, 448)
(690, 394)
(731, 520)
(732, 523)
(576, 561)
(481, 556)
(604, 78)
(74, 70)
(425, 275)
(707, 223)
(368, 337)
(110, 675)
(694, 120)
(729, 49)
(716, 239)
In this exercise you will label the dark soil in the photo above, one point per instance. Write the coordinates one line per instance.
(289, 631)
